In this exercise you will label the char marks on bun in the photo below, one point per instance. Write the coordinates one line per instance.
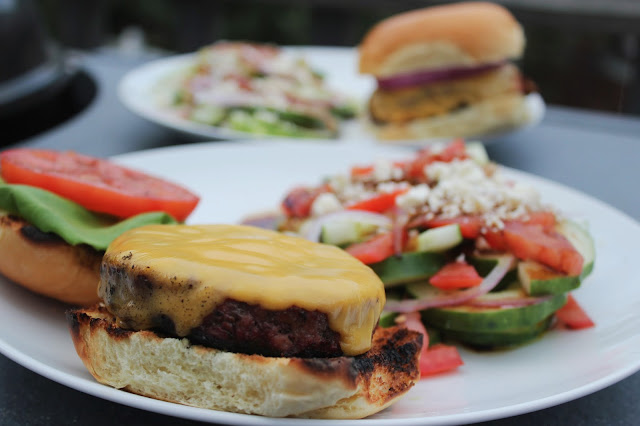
(245, 320)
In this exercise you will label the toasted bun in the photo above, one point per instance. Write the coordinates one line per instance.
(47, 265)
(460, 34)
(487, 116)
(173, 370)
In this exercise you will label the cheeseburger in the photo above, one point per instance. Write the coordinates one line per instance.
(239, 319)
(445, 71)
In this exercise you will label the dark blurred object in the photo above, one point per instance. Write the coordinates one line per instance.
(582, 53)
(38, 83)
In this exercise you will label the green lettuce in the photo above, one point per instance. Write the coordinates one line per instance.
(73, 223)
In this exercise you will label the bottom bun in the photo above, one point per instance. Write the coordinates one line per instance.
(174, 370)
(488, 116)
(47, 265)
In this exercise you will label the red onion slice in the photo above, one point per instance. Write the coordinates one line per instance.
(432, 76)
(314, 228)
(437, 298)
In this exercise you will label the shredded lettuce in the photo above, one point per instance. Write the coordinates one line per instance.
(73, 223)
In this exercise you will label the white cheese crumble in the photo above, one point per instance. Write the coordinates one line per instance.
(463, 188)
(325, 203)
(415, 197)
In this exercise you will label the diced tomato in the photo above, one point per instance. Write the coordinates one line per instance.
(573, 316)
(546, 219)
(361, 171)
(97, 184)
(379, 203)
(299, 200)
(455, 275)
(454, 150)
(533, 241)
(470, 226)
(438, 359)
(373, 250)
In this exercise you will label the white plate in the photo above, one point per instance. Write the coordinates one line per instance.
(138, 91)
(236, 179)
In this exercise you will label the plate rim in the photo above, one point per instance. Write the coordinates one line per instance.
(88, 386)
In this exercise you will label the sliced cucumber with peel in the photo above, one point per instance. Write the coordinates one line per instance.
(477, 152)
(439, 239)
(409, 267)
(538, 279)
(581, 240)
(343, 232)
(473, 319)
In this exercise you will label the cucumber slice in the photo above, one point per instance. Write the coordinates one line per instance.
(477, 152)
(538, 279)
(484, 264)
(343, 232)
(500, 339)
(208, 114)
(409, 267)
(440, 239)
(580, 238)
(490, 320)
(387, 319)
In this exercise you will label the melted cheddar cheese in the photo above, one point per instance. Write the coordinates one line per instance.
(184, 271)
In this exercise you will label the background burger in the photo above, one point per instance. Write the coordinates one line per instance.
(240, 319)
(445, 71)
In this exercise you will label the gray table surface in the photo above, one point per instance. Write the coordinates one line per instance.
(596, 153)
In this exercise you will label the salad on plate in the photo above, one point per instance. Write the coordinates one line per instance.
(259, 89)
(466, 254)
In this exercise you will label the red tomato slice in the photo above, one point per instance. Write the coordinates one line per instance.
(573, 316)
(373, 250)
(438, 359)
(299, 200)
(378, 204)
(96, 184)
(470, 226)
(544, 218)
(454, 150)
(535, 242)
(455, 275)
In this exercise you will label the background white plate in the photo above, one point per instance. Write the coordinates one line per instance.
(561, 366)
(138, 91)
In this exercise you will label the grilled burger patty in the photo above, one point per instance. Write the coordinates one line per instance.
(241, 289)
(232, 325)
(402, 105)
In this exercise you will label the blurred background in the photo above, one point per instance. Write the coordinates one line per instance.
(581, 53)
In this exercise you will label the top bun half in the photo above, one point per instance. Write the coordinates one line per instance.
(460, 34)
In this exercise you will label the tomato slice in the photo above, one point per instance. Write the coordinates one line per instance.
(96, 184)
(433, 359)
(438, 359)
(379, 203)
(373, 250)
(573, 316)
(455, 275)
(299, 200)
(533, 241)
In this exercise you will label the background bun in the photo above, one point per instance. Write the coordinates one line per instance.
(441, 36)
(47, 265)
(173, 370)
(490, 115)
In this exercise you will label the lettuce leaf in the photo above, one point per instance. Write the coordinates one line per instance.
(73, 223)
